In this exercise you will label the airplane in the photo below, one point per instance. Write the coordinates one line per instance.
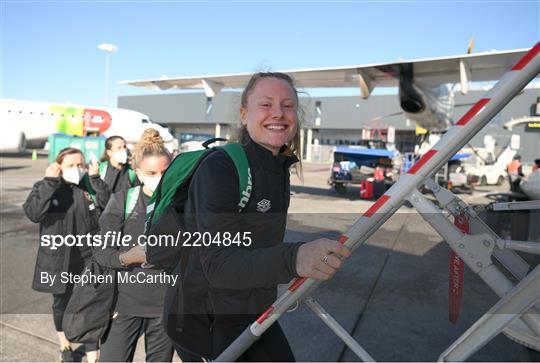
(425, 94)
(28, 124)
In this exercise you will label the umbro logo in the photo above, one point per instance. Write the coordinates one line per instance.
(263, 206)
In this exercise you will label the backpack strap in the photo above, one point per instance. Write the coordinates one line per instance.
(103, 169)
(132, 196)
(238, 156)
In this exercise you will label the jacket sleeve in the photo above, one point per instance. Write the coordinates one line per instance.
(103, 192)
(214, 194)
(111, 220)
(38, 202)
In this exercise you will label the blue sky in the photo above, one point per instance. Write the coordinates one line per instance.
(49, 48)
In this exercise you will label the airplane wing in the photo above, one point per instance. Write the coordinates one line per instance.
(461, 68)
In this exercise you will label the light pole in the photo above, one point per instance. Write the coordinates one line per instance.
(108, 49)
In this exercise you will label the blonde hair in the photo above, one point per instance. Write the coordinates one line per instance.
(293, 147)
(150, 144)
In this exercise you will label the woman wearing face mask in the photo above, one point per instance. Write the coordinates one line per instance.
(139, 306)
(114, 168)
(66, 202)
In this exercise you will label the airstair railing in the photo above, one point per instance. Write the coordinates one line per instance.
(406, 188)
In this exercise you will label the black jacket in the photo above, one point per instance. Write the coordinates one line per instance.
(224, 282)
(118, 179)
(135, 299)
(63, 209)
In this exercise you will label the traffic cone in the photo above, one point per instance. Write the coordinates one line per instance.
(34, 154)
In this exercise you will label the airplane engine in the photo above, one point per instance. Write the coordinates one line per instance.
(12, 141)
(410, 99)
(431, 107)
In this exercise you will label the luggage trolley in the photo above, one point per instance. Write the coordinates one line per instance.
(517, 312)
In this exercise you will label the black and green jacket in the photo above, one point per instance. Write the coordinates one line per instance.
(221, 281)
(62, 208)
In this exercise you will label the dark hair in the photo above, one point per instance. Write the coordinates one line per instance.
(150, 144)
(108, 146)
(537, 162)
(67, 151)
(517, 157)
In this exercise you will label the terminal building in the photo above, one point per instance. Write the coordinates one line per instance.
(334, 121)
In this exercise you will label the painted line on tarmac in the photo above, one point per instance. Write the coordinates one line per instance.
(24, 331)
(358, 322)
(16, 208)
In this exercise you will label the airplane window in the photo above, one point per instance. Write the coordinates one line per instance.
(145, 121)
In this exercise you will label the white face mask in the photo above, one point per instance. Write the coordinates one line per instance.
(120, 156)
(73, 175)
(151, 182)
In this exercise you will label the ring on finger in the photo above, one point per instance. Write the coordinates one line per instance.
(324, 259)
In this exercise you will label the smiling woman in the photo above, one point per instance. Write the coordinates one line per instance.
(224, 288)
(269, 112)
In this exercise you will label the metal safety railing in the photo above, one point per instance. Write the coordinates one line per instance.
(475, 249)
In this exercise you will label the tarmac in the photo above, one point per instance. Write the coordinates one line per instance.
(391, 295)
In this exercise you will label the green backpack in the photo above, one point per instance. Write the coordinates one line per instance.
(163, 216)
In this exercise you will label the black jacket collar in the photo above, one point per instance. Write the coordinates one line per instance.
(264, 157)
